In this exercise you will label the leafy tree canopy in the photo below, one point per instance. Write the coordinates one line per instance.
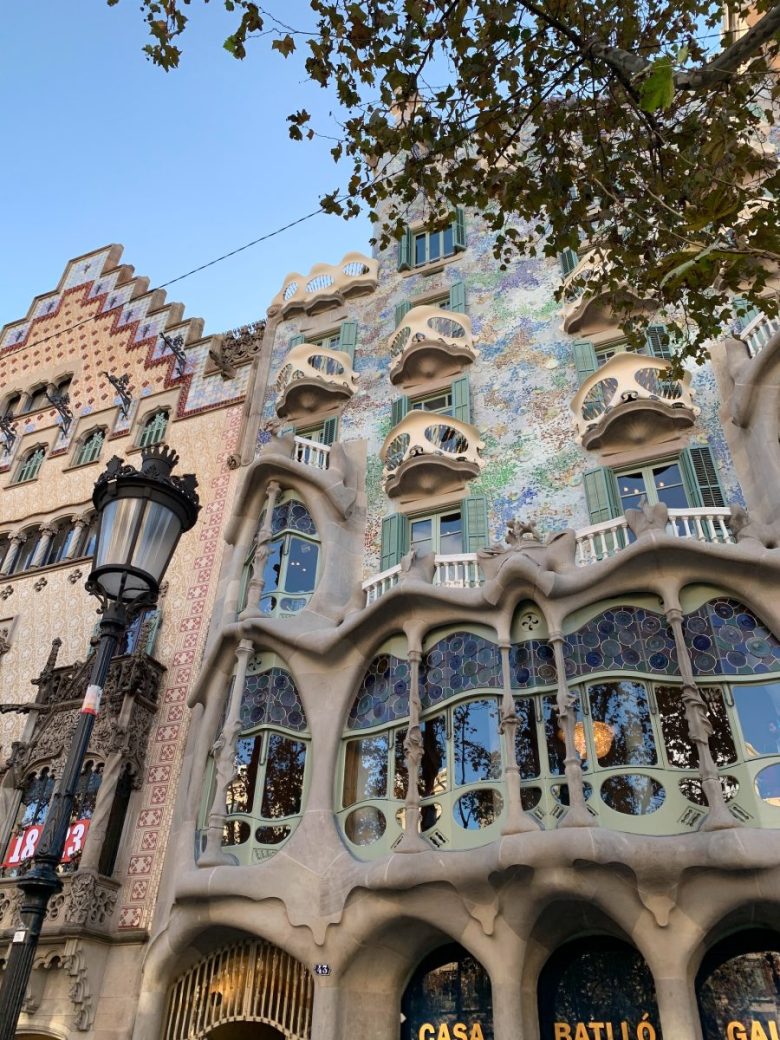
(638, 128)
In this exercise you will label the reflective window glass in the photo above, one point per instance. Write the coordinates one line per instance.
(420, 243)
(240, 793)
(365, 769)
(433, 765)
(526, 745)
(448, 989)
(669, 487)
(620, 724)
(448, 246)
(738, 988)
(421, 536)
(301, 566)
(476, 741)
(283, 787)
(680, 749)
(450, 533)
(758, 708)
(597, 979)
(556, 744)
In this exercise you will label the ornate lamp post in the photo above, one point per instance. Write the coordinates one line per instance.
(143, 513)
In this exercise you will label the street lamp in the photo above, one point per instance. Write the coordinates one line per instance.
(142, 514)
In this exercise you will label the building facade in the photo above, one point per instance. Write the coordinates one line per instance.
(101, 366)
(486, 739)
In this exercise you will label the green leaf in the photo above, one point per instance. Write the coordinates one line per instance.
(658, 89)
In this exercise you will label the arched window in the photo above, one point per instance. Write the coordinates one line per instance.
(290, 568)
(30, 465)
(26, 552)
(88, 538)
(60, 543)
(448, 995)
(738, 987)
(597, 979)
(90, 448)
(36, 400)
(153, 429)
(264, 800)
(640, 765)
(11, 405)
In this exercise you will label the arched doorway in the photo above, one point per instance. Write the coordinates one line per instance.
(249, 990)
(448, 998)
(597, 980)
(738, 987)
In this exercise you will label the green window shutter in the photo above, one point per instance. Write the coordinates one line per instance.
(461, 399)
(296, 340)
(569, 259)
(474, 514)
(154, 627)
(406, 251)
(400, 409)
(348, 338)
(601, 494)
(584, 359)
(330, 430)
(459, 230)
(658, 341)
(394, 540)
(700, 476)
(401, 310)
(458, 297)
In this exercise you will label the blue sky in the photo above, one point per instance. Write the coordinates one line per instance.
(101, 146)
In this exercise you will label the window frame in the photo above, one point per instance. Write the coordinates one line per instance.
(651, 491)
(26, 471)
(436, 518)
(83, 447)
(148, 422)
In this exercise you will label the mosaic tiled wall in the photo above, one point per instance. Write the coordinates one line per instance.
(521, 388)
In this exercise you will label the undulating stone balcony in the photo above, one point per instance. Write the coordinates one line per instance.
(585, 311)
(313, 380)
(631, 400)
(430, 454)
(326, 285)
(593, 544)
(430, 343)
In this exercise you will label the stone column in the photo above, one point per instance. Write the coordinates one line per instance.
(700, 729)
(224, 750)
(517, 821)
(47, 532)
(578, 815)
(677, 1008)
(262, 541)
(508, 1013)
(16, 542)
(411, 839)
(78, 526)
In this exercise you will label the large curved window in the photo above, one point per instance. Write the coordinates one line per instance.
(289, 572)
(738, 987)
(640, 766)
(597, 980)
(264, 799)
(449, 995)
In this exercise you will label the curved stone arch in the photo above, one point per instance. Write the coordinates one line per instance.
(249, 980)
(727, 915)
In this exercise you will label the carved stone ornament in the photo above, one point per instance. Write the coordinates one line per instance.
(7, 591)
(746, 530)
(647, 518)
(5, 642)
(233, 461)
(75, 576)
(40, 584)
(88, 901)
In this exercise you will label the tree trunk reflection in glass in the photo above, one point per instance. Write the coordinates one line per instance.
(283, 788)
(623, 709)
(365, 769)
(477, 743)
(680, 750)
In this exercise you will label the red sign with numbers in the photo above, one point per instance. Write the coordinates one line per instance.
(22, 846)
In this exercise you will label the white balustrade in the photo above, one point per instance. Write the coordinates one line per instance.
(381, 583)
(457, 571)
(311, 453)
(596, 542)
(758, 332)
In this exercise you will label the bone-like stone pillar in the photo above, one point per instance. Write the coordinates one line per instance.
(578, 815)
(262, 542)
(516, 821)
(411, 839)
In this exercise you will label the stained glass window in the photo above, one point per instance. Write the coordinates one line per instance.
(458, 663)
(271, 699)
(383, 696)
(728, 639)
(623, 637)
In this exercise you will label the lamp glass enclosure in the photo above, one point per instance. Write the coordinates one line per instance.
(136, 540)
